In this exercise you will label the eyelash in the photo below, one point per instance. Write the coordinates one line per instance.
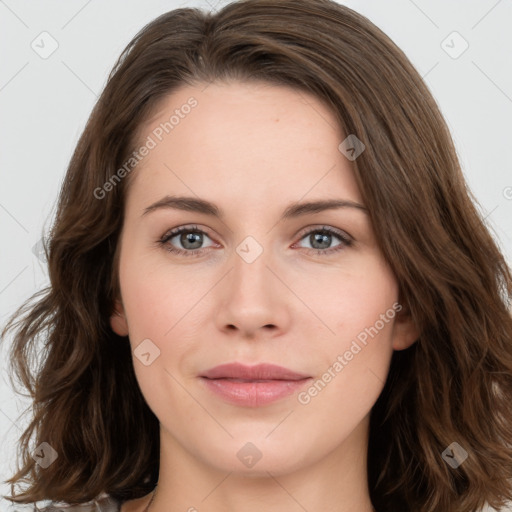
(346, 241)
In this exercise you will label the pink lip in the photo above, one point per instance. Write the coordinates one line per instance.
(253, 385)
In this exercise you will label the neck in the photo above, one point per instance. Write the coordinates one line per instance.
(336, 482)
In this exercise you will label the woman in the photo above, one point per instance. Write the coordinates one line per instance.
(337, 335)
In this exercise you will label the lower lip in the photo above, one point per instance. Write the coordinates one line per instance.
(253, 394)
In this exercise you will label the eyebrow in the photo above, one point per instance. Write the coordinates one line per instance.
(293, 210)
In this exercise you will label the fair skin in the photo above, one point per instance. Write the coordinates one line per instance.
(252, 149)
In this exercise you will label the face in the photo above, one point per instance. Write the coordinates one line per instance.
(309, 291)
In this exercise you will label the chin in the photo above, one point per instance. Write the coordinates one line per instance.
(256, 458)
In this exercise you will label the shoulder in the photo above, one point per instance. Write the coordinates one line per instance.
(103, 503)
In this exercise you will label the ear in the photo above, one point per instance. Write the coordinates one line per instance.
(405, 332)
(118, 320)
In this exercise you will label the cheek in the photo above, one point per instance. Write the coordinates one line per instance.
(158, 307)
(349, 300)
(354, 369)
(154, 297)
(359, 307)
(162, 306)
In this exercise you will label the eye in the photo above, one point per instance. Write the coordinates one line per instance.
(320, 240)
(189, 237)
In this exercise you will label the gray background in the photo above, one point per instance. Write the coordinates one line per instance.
(45, 103)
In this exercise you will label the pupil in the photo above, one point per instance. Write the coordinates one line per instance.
(322, 238)
(189, 237)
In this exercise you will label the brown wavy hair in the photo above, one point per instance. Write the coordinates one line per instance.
(453, 385)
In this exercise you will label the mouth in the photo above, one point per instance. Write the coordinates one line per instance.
(263, 371)
(252, 386)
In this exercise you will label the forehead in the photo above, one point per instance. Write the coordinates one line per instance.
(240, 140)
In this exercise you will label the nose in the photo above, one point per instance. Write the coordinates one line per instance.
(253, 300)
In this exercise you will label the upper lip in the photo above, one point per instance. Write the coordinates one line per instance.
(263, 371)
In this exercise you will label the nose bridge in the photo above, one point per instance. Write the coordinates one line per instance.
(250, 260)
(251, 294)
